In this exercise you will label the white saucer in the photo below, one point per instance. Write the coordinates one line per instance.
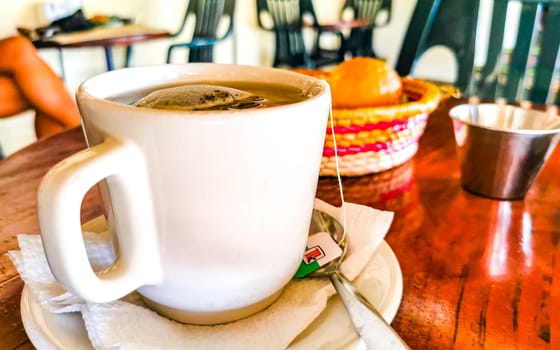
(380, 281)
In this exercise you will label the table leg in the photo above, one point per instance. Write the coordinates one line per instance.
(128, 55)
(109, 58)
(61, 61)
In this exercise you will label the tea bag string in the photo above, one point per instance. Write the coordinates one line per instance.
(338, 177)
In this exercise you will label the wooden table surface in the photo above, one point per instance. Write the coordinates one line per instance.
(478, 273)
(128, 34)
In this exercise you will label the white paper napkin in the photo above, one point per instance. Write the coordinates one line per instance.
(127, 324)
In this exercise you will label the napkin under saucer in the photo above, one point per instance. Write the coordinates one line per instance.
(124, 325)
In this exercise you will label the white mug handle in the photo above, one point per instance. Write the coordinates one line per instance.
(59, 200)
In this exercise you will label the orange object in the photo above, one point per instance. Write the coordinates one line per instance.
(100, 18)
(364, 82)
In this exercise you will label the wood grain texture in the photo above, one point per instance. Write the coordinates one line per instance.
(478, 273)
(20, 175)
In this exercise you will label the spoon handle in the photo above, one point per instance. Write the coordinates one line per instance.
(372, 327)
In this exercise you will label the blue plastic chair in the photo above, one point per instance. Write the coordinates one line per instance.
(207, 15)
(524, 66)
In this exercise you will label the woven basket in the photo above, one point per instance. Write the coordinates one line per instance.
(375, 139)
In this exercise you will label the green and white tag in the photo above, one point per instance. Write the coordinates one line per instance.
(321, 249)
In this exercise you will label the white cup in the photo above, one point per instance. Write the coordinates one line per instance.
(209, 210)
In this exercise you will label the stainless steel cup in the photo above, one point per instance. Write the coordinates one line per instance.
(502, 148)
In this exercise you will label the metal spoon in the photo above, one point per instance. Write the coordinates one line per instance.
(372, 327)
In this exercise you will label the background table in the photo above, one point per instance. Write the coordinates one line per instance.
(106, 37)
(478, 273)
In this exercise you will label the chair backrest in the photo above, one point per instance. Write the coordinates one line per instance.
(284, 12)
(287, 18)
(207, 16)
(375, 11)
(505, 49)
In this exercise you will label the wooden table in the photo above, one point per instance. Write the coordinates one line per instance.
(106, 37)
(478, 273)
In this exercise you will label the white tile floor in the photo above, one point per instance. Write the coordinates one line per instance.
(16, 132)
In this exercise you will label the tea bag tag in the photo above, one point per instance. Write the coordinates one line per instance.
(321, 249)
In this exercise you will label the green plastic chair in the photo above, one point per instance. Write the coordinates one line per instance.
(207, 15)
(522, 65)
(360, 40)
(287, 24)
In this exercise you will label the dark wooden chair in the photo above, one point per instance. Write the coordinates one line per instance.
(288, 18)
(495, 60)
(207, 16)
(378, 12)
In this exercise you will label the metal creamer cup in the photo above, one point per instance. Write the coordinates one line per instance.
(501, 148)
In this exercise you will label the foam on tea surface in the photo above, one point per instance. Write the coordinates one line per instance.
(196, 97)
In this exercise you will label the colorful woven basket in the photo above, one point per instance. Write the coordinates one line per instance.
(371, 140)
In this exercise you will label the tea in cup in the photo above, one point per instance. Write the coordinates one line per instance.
(209, 209)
